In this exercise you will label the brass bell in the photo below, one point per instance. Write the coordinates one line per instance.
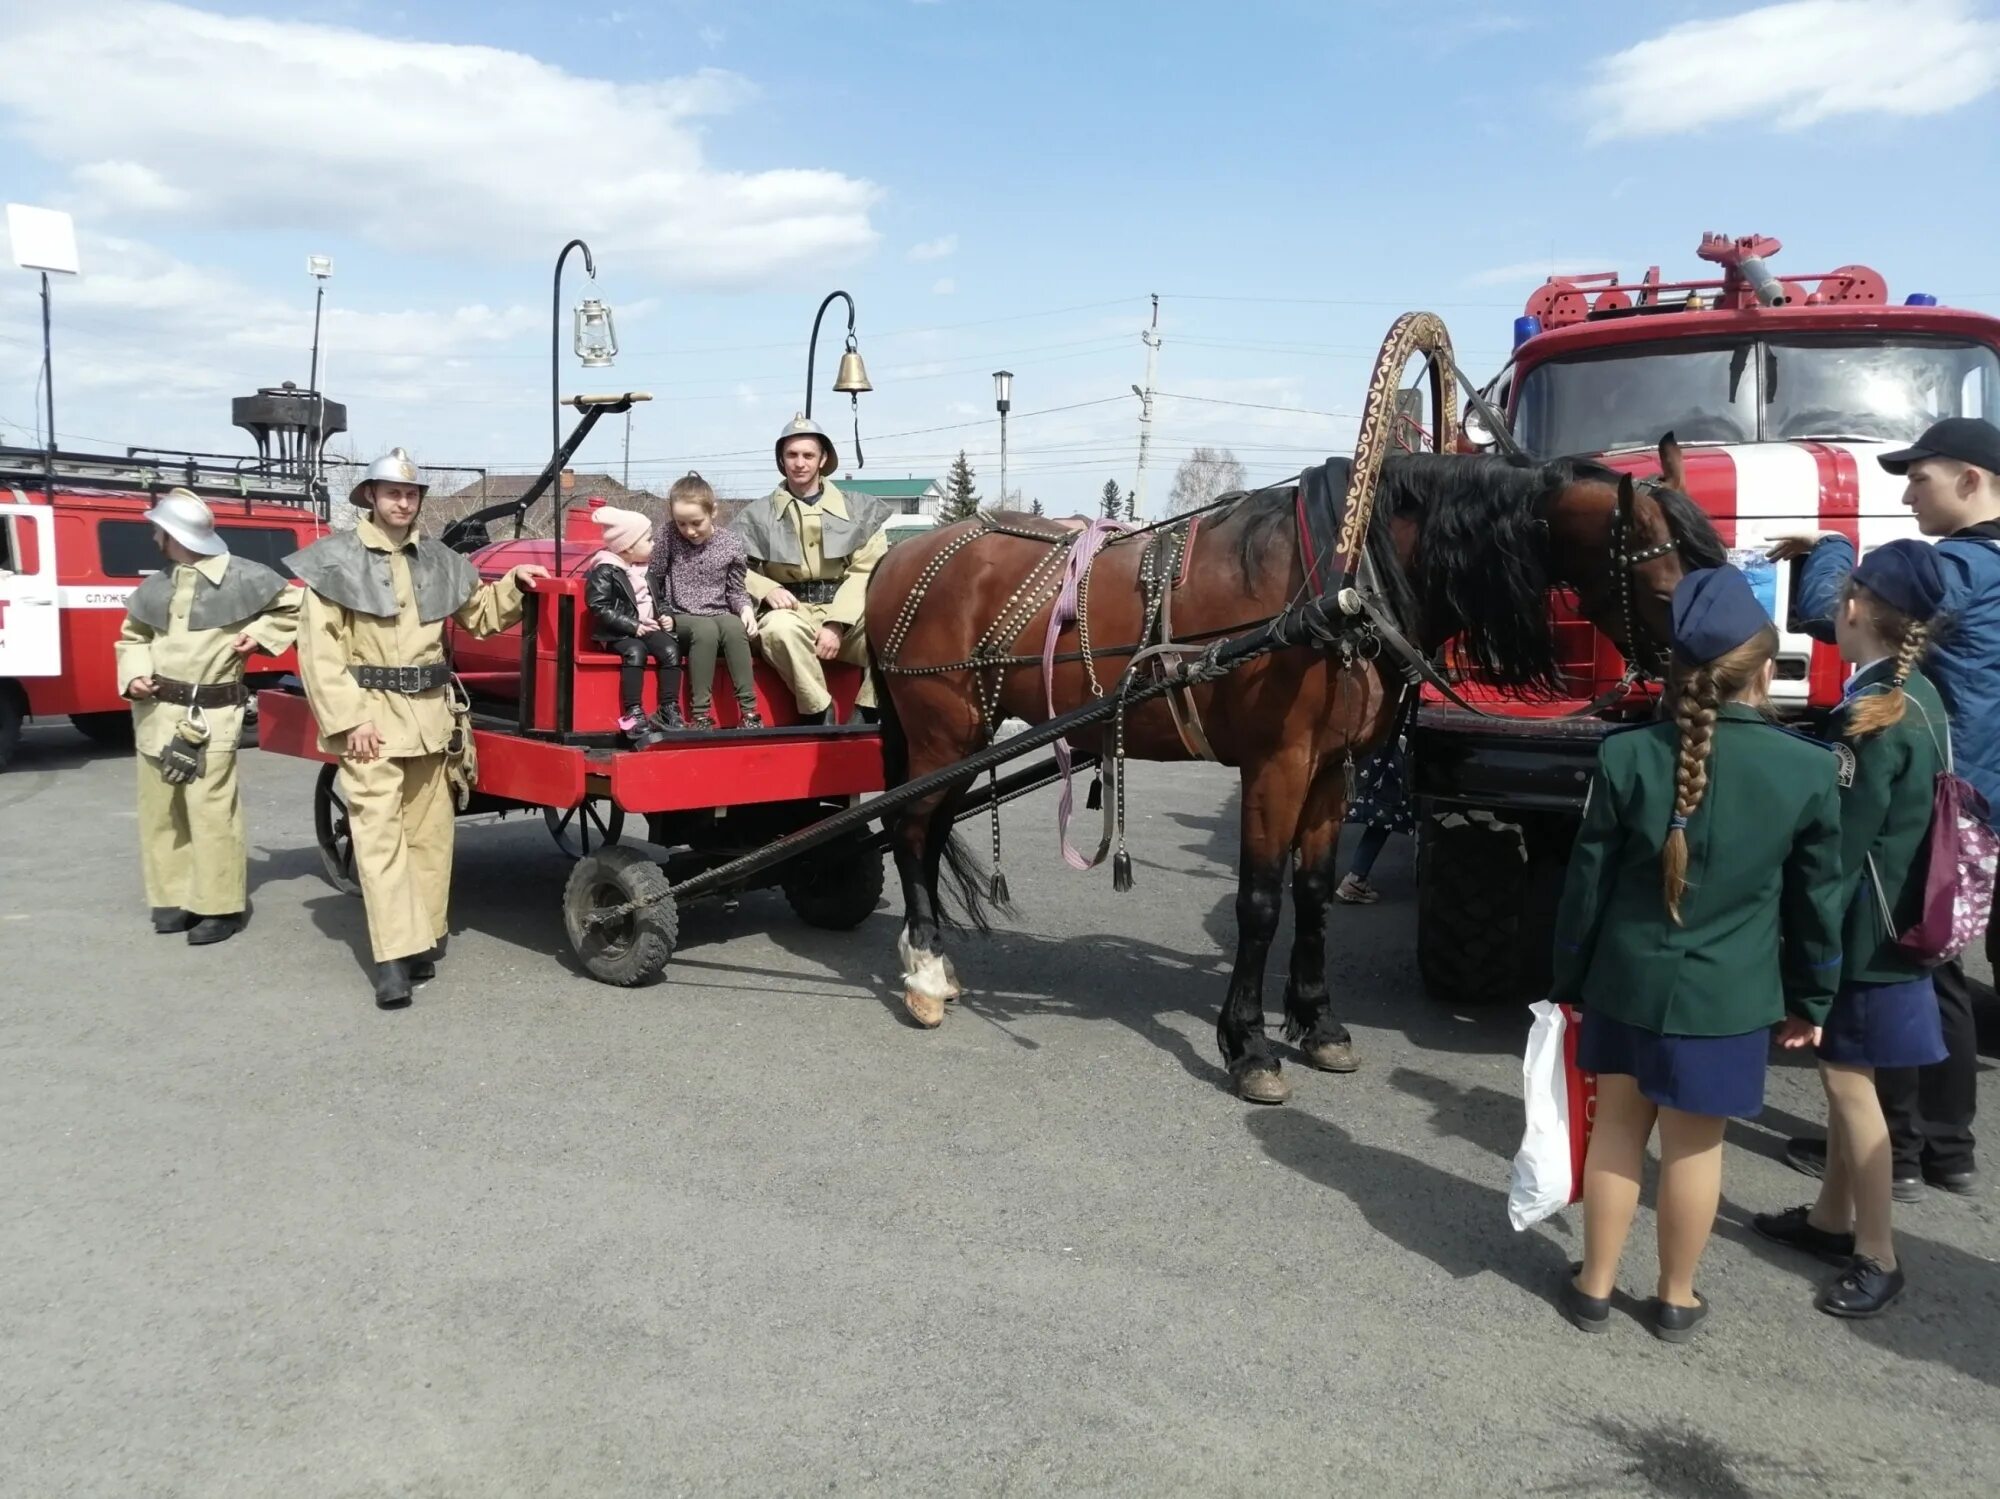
(853, 374)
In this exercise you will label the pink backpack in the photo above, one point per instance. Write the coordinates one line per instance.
(1959, 854)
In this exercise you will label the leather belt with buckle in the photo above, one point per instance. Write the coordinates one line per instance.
(407, 680)
(816, 592)
(200, 695)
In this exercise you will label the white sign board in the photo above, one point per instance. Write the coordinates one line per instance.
(44, 239)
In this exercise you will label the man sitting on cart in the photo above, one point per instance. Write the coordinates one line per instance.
(811, 550)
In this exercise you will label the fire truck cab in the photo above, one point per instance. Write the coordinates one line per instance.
(74, 543)
(1782, 393)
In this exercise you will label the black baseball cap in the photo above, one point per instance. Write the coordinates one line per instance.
(1969, 439)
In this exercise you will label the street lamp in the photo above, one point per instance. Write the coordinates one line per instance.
(555, 339)
(1003, 399)
(44, 240)
(319, 267)
(852, 376)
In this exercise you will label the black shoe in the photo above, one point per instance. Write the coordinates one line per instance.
(1585, 1313)
(170, 920)
(392, 984)
(210, 929)
(1864, 1289)
(821, 720)
(1906, 1188)
(1675, 1324)
(1960, 1182)
(424, 966)
(1794, 1230)
(668, 719)
(1807, 1157)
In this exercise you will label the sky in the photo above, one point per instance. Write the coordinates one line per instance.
(996, 185)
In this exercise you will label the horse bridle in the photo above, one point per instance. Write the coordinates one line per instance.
(1625, 561)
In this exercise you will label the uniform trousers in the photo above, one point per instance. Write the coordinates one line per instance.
(402, 818)
(702, 635)
(191, 838)
(786, 637)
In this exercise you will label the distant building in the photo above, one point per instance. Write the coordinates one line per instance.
(905, 496)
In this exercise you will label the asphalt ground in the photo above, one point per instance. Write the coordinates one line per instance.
(745, 1232)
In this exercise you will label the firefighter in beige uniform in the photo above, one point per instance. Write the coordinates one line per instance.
(811, 550)
(180, 654)
(371, 655)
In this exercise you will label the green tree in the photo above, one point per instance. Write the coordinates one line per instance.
(1035, 507)
(1111, 504)
(961, 500)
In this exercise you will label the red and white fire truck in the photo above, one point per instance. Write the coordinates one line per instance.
(1781, 391)
(74, 543)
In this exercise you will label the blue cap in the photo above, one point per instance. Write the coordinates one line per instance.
(1904, 575)
(1920, 299)
(1715, 612)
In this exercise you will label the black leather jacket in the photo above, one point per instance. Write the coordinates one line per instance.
(614, 607)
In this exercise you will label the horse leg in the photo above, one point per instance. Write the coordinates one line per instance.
(938, 847)
(1272, 794)
(1309, 1021)
(926, 984)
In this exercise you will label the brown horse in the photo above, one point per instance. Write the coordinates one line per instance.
(1465, 548)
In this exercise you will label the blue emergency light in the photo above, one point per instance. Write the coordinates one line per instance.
(1920, 299)
(1525, 328)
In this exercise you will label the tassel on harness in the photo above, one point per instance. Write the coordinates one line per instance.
(1121, 871)
(1093, 799)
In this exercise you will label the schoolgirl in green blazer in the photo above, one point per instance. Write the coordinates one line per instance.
(1702, 908)
(1890, 736)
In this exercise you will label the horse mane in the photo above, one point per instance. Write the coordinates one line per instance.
(1480, 567)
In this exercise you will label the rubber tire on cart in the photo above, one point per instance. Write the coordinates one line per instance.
(112, 730)
(837, 887)
(13, 712)
(637, 948)
(1472, 912)
(571, 827)
(334, 832)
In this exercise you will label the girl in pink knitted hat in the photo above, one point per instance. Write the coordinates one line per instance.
(624, 621)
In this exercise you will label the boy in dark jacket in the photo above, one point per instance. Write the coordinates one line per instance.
(623, 620)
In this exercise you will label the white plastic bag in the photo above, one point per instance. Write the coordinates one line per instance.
(1548, 1170)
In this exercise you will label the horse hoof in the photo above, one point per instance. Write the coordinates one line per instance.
(1332, 1056)
(926, 1009)
(1262, 1085)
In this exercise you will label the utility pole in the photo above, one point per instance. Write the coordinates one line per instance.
(627, 480)
(1151, 338)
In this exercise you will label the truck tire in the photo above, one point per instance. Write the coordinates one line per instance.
(13, 713)
(112, 730)
(835, 888)
(1475, 942)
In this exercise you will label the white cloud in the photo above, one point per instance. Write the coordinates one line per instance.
(944, 286)
(436, 149)
(943, 246)
(1796, 65)
(712, 37)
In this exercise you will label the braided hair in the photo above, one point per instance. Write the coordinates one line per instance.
(1700, 691)
(1911, 637)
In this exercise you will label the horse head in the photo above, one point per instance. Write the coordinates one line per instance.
(1623, 544)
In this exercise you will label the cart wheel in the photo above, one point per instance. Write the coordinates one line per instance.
(334, 832)
(837, 887)
(596, 822)
(635, 947)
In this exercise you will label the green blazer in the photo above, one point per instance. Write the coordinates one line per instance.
(1764, 897)
(1887, 781)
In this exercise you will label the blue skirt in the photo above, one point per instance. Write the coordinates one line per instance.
(1717, 1075)
(1884, 1025)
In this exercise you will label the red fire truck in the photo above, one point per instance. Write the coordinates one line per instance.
(1781, 391)
(74, 543)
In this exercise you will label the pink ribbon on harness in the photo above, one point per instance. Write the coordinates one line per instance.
(1081, 554)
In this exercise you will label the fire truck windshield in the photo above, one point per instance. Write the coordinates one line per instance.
(1767, 390)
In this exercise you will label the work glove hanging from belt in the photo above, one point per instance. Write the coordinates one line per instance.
(461, 754)
(186, 756)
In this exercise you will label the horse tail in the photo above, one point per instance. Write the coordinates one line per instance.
(969, 881)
